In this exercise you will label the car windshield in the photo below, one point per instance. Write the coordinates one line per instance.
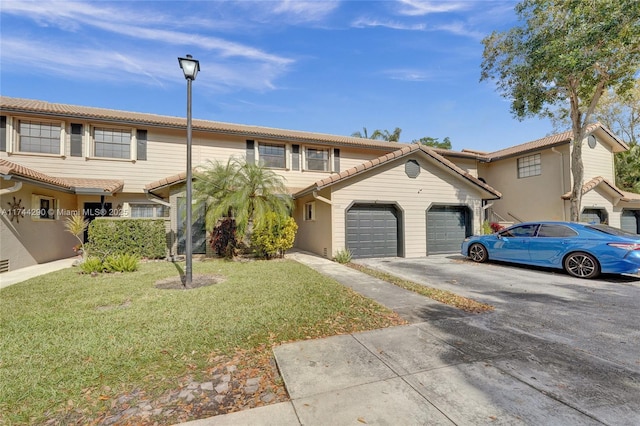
(605, 229)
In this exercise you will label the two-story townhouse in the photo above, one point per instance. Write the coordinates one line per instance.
(376, 198)
(535, 180)
(373, 196)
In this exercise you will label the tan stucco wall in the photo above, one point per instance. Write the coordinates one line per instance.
(30, 240)
(316, 235)
(534, 197)
(598, 161)
(389, 183)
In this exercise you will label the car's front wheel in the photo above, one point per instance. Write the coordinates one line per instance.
(478, 253)
(581, 265)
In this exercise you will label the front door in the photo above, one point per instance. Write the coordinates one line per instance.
(93, 210)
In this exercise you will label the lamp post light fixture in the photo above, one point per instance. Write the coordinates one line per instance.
(190, 67)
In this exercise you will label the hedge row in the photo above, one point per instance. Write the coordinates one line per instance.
(145, 238)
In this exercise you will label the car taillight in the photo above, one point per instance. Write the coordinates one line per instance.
(625, 246)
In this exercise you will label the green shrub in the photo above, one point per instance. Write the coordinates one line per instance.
(143, 238)
(343, 256)
(486, 228)
(92, 264)
(121, 263)
(274, 235)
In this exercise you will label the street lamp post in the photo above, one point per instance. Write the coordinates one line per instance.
(190, 67)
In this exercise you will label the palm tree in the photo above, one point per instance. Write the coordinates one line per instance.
(242, 191)
(384, 135)
(360, 134)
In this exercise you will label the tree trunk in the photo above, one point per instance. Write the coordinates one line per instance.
(577, 171)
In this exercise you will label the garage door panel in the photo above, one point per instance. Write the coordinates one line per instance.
(447, 227)
(630, 221)
(372, 231)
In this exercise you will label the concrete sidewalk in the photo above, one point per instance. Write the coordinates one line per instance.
(23, 274)
(445, 367)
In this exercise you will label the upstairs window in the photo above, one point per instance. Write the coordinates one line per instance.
(529, 166)
(317, 159)
(112, 143)
(272, 155)
(39, 137)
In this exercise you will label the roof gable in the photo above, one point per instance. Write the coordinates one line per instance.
(393, 156)
(555, 140)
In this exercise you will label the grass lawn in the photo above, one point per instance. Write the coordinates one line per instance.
(71, 343)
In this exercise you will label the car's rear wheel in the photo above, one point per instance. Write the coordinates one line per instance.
(478, 253)
(581, 265)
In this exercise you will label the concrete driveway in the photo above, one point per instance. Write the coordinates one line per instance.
(575, 340)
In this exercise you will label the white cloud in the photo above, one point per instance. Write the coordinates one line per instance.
(426, 7)
(369, 23)
(305, 11)
(459, 28)
(91, 54)
(407, 75)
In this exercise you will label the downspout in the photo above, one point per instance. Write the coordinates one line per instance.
(15, 188)
(156, 199)
(321, 198)
(564, 189)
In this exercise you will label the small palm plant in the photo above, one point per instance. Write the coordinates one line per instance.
(76, 225)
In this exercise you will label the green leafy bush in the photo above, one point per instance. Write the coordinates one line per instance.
(121, 263)
(274, 235)
(486, 228)
(144, 238)
(343, 256)
(92, 264)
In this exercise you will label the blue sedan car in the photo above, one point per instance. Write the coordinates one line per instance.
(583, 250)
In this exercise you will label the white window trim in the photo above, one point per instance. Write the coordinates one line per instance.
(13, 137)
(256, 149)
(304, 166)
(311, 205)
(35, 208)
(90, 144)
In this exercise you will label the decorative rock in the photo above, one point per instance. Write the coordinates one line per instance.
(250, 389)
(226, 378)
(193, 385)
(253, 381)
(231, 368)
(186, 394)
(206, 386)
(219, 399)
(222, 387)
(268, 397)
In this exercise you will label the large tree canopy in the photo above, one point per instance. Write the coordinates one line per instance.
(434, 142)
(565, 53)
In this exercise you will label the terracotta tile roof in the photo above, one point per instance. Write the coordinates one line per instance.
(9, 168)
(168, 181)
(630, 196)
(404, 151)
(19, 105)
(548, 142)
(593, 183)
(181, 178)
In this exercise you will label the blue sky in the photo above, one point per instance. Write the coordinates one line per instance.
(321, 66)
